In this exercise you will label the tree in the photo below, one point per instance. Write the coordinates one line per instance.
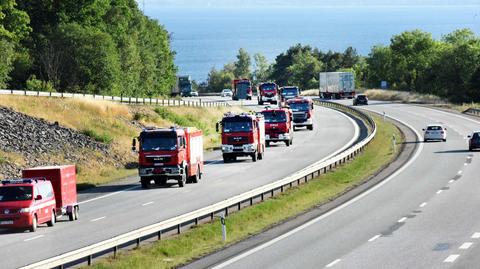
(219, 80)
(379, 63)
(279, 70)
(261, 72)
(304, 71)
(242, 65)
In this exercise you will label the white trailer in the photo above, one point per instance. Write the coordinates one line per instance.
(337, 85)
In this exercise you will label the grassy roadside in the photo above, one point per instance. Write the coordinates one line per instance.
(207, 238)
(109, 123)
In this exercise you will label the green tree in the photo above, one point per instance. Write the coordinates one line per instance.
(279, 70)
(304, 71)
(379, 63)
(261, 72)
(242, 65)
(219, 79)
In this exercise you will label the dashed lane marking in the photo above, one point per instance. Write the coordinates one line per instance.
(149, 203)
(402, 219)
(374, 238)
(33, 238)
(451, 258)
(333, 263)
(423, 204)
(466, 245)
(475, 235)
(97, 219)
(440, 191)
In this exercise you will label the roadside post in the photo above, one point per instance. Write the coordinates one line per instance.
(384, 115)
(394, 144)
(224, 227)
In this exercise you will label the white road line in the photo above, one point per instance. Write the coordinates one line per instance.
(97, 219)
(374, 238)
(333, 211)
(333, 263)
(108, 195)
(149, 203)
(451, 181)
(440, 191)
(465, 164)
(33, 238)
(215, 162)
(451, 258)
(423, 204)
(460, 172)
(469, 157)
(402, 219)
(475, 235)
(466, 245)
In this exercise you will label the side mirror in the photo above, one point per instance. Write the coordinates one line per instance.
(312, 106)
(217, 127)
(39, 197)
(469, 136)
(134, 144)
(423, 130)
(445, 129)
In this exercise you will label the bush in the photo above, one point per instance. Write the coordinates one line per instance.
(34, 84)
(103, 138)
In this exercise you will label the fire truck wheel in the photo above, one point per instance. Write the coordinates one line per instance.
(287, 143)
(145, 182)
(260, 156)
(260, 103)
(183, 179)
(196, 177)
(33, 228)
(310, 127)
(254, 157)
(268, 143)
(51, 223)
(75, 212)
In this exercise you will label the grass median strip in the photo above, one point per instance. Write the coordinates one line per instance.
(207, 238)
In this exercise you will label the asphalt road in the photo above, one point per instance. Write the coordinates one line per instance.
(424, 216)
(108, 214)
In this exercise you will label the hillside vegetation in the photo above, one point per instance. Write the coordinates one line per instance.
(108, 123)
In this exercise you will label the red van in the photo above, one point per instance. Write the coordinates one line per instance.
(43, 195)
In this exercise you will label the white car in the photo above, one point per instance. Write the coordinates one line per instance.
(435, 132)
(226, 93)
(194, 93)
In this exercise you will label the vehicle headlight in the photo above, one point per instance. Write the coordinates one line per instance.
(24, 210)
(227, 148)
(249, 147)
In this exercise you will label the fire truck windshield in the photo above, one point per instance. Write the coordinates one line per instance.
(15, 193)
(290, 91)
(299, 106)
(154, 141)
(267, 87)
(274, 117)
(237, 126)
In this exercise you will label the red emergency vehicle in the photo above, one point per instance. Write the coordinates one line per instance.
(242, 135)
(302, 112)
(42, 196)
(170, 153)
(267, 92)
(242, 89)
(278, 125)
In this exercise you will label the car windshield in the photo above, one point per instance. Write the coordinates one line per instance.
(16, 193)
(274, 117)
(434, 128)
(361, 97)
(299, 106)
(154, 141)
(476, 136)
(290, 91)
(243, 86)
(267, 87)
(227, 91)
(237, 126)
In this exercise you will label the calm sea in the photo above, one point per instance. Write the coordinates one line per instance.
(206, 37)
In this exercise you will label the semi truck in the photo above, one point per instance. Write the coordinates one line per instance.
(242, 89)
(42, 195)
(268, 92)
(337, 85)
(278, 125)
(302, 112)
(242, 135)
(183, 87)
(169, 154)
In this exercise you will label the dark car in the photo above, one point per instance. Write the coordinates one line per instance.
(360, 99)
(474, 142)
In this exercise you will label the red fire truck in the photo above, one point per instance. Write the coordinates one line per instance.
(242, 89)
(268, 92)
(278, 125)
(43, 195)
(242, 135)
(169, 153)
(302, 112)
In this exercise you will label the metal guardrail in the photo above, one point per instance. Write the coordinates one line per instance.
(472, 111)
(121, 99)
(208, 213)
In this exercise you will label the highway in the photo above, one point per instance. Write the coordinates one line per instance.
(424, 216)
(108, 214)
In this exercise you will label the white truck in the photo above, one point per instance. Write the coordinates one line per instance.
(337, 85)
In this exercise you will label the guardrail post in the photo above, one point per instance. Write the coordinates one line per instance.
(156, 101)
(89, 260)
(179, 228)
(25, 92)
(115, 250)
(38, 93)
(251, 201)
(226, 211)
(159, 235)
(138, 242)
(239, 206)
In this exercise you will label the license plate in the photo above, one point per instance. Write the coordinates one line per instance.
(6, 222)
(237, 147)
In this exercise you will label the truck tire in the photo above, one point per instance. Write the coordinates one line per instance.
(34, 226)
(260, 155)
(145, 182)
(260, 103)
(52, 221)
(75, 212)
(310, 127)
(183, 180)
(287, 143)
(226, 158)
(254, 157)
(196, 177)
(267, 143)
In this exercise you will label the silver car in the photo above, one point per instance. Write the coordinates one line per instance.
(226, 93)
(435, 132)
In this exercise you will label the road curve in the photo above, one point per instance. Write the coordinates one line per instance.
(110, 214)
(425, 216)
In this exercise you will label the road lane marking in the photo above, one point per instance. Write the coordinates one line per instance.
(451, 181)
(97, 219)
(465, 164)
(333, 263)
(335, 210)
(215, 162)
(451, 258)
(149, 203)
(374, 238)
(466, 245)
(475, 235)
(108, 195)
(402, 219)
(440, 191)
(423, 204)
(33, 238)
(460, 172)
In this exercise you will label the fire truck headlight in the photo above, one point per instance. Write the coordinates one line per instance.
(249, 148)
(24, 210)
(227, 148)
